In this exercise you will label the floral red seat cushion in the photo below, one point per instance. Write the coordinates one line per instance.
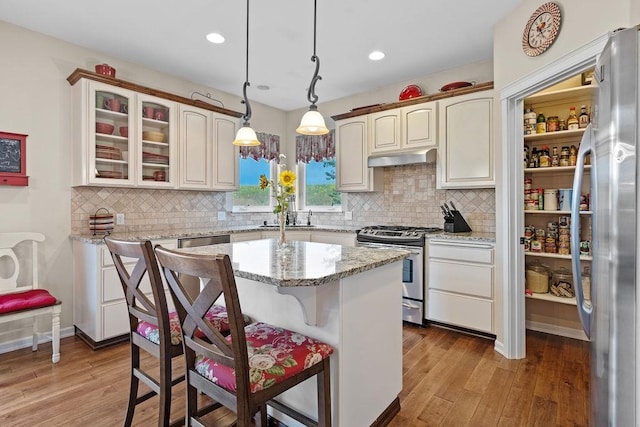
(217, 315)
(34, 298)
(275, 354)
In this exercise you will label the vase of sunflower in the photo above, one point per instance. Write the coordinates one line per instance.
(282, 192)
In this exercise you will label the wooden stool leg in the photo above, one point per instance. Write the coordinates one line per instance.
(324, 395)
(133, 387)
(55, 334)
(165, 392)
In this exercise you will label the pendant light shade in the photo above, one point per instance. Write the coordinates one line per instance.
(312, 122)
(246, 136)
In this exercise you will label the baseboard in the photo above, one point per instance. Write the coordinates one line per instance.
(562, 331)
(26, 342)
(498, 346)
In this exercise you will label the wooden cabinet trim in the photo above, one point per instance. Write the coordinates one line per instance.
(419, 100)
(80, 73)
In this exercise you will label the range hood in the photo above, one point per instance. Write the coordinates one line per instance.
(426, 155)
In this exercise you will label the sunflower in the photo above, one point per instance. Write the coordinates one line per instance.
(263, 182)
(287, 177)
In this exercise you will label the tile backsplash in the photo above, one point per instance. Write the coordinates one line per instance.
(409, 197)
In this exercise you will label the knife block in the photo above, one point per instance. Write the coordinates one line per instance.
(457, 224)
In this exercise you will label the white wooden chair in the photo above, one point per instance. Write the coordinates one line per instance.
(26, 300)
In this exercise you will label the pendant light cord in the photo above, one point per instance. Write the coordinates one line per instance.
(245, 101)
(311, 94)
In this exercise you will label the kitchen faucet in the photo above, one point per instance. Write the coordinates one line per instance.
(309, 217)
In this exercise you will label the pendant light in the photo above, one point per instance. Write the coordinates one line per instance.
(246, 136)
(312, 122)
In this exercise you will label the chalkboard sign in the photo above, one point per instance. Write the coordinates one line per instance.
(13, 161)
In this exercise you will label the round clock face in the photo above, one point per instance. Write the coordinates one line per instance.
(541, 29)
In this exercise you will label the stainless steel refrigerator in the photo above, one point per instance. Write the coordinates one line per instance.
(610, 319)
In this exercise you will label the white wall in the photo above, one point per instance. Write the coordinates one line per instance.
(36, 101)
(582, 22)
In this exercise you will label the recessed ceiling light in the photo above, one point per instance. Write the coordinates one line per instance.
(215, 38)
(376, 55)
(263, 87)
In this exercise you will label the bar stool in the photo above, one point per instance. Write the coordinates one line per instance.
(219, 366)
(153, 328)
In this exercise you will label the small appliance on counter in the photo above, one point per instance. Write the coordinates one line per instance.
(454, 222)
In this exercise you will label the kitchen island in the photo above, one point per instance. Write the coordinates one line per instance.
(347, 297)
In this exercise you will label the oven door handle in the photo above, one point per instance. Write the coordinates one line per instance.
(407, 305)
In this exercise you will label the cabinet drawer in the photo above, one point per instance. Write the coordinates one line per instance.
(467, 252)
(460, 310)
(108, 260)
(112, 288)
(115, 320)
(470, 279)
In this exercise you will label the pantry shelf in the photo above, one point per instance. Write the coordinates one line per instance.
(534, 211)
(553, 135)
(557, 256)
(552, 298)
(555, 169)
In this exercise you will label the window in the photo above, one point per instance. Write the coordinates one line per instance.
(253, 162)
(250, 196)
(317, 173)
(319, 184)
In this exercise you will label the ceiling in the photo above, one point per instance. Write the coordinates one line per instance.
(419, 37)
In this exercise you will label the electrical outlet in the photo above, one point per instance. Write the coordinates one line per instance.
(348, 215)
(120, 219)
(222, 215)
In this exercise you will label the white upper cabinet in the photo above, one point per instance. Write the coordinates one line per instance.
(127, 135)
(157, 131)
(208, 158)
(385, 131)
(419, 125)
(196, 148)
(405, 128)
(225, 159)
(104, 148)
(466, 151)
(352, 149)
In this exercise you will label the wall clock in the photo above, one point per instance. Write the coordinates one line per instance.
(541, 30)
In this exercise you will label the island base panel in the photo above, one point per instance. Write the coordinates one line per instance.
(357, 317)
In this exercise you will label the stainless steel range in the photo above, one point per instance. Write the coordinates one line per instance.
(413, 240)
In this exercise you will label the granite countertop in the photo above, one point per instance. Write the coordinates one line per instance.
(472, 236)
(302, 263)
(178, 234)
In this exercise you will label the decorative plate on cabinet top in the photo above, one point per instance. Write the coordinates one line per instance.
(455, 85)
(411, 91)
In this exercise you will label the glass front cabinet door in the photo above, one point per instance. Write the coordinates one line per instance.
(123, 138)
(156, 164)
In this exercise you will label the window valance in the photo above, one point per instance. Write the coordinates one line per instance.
(269, 147)
(315, 147)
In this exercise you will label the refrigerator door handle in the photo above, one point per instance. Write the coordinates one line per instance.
(585, 308)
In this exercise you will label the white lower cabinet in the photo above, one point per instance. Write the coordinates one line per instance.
(99, 308)
(460, 284)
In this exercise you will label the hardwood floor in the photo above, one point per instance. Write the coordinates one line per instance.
(450, 379)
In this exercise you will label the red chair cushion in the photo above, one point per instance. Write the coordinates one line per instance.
(34, 298)
(217, 315)
(275, 354)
